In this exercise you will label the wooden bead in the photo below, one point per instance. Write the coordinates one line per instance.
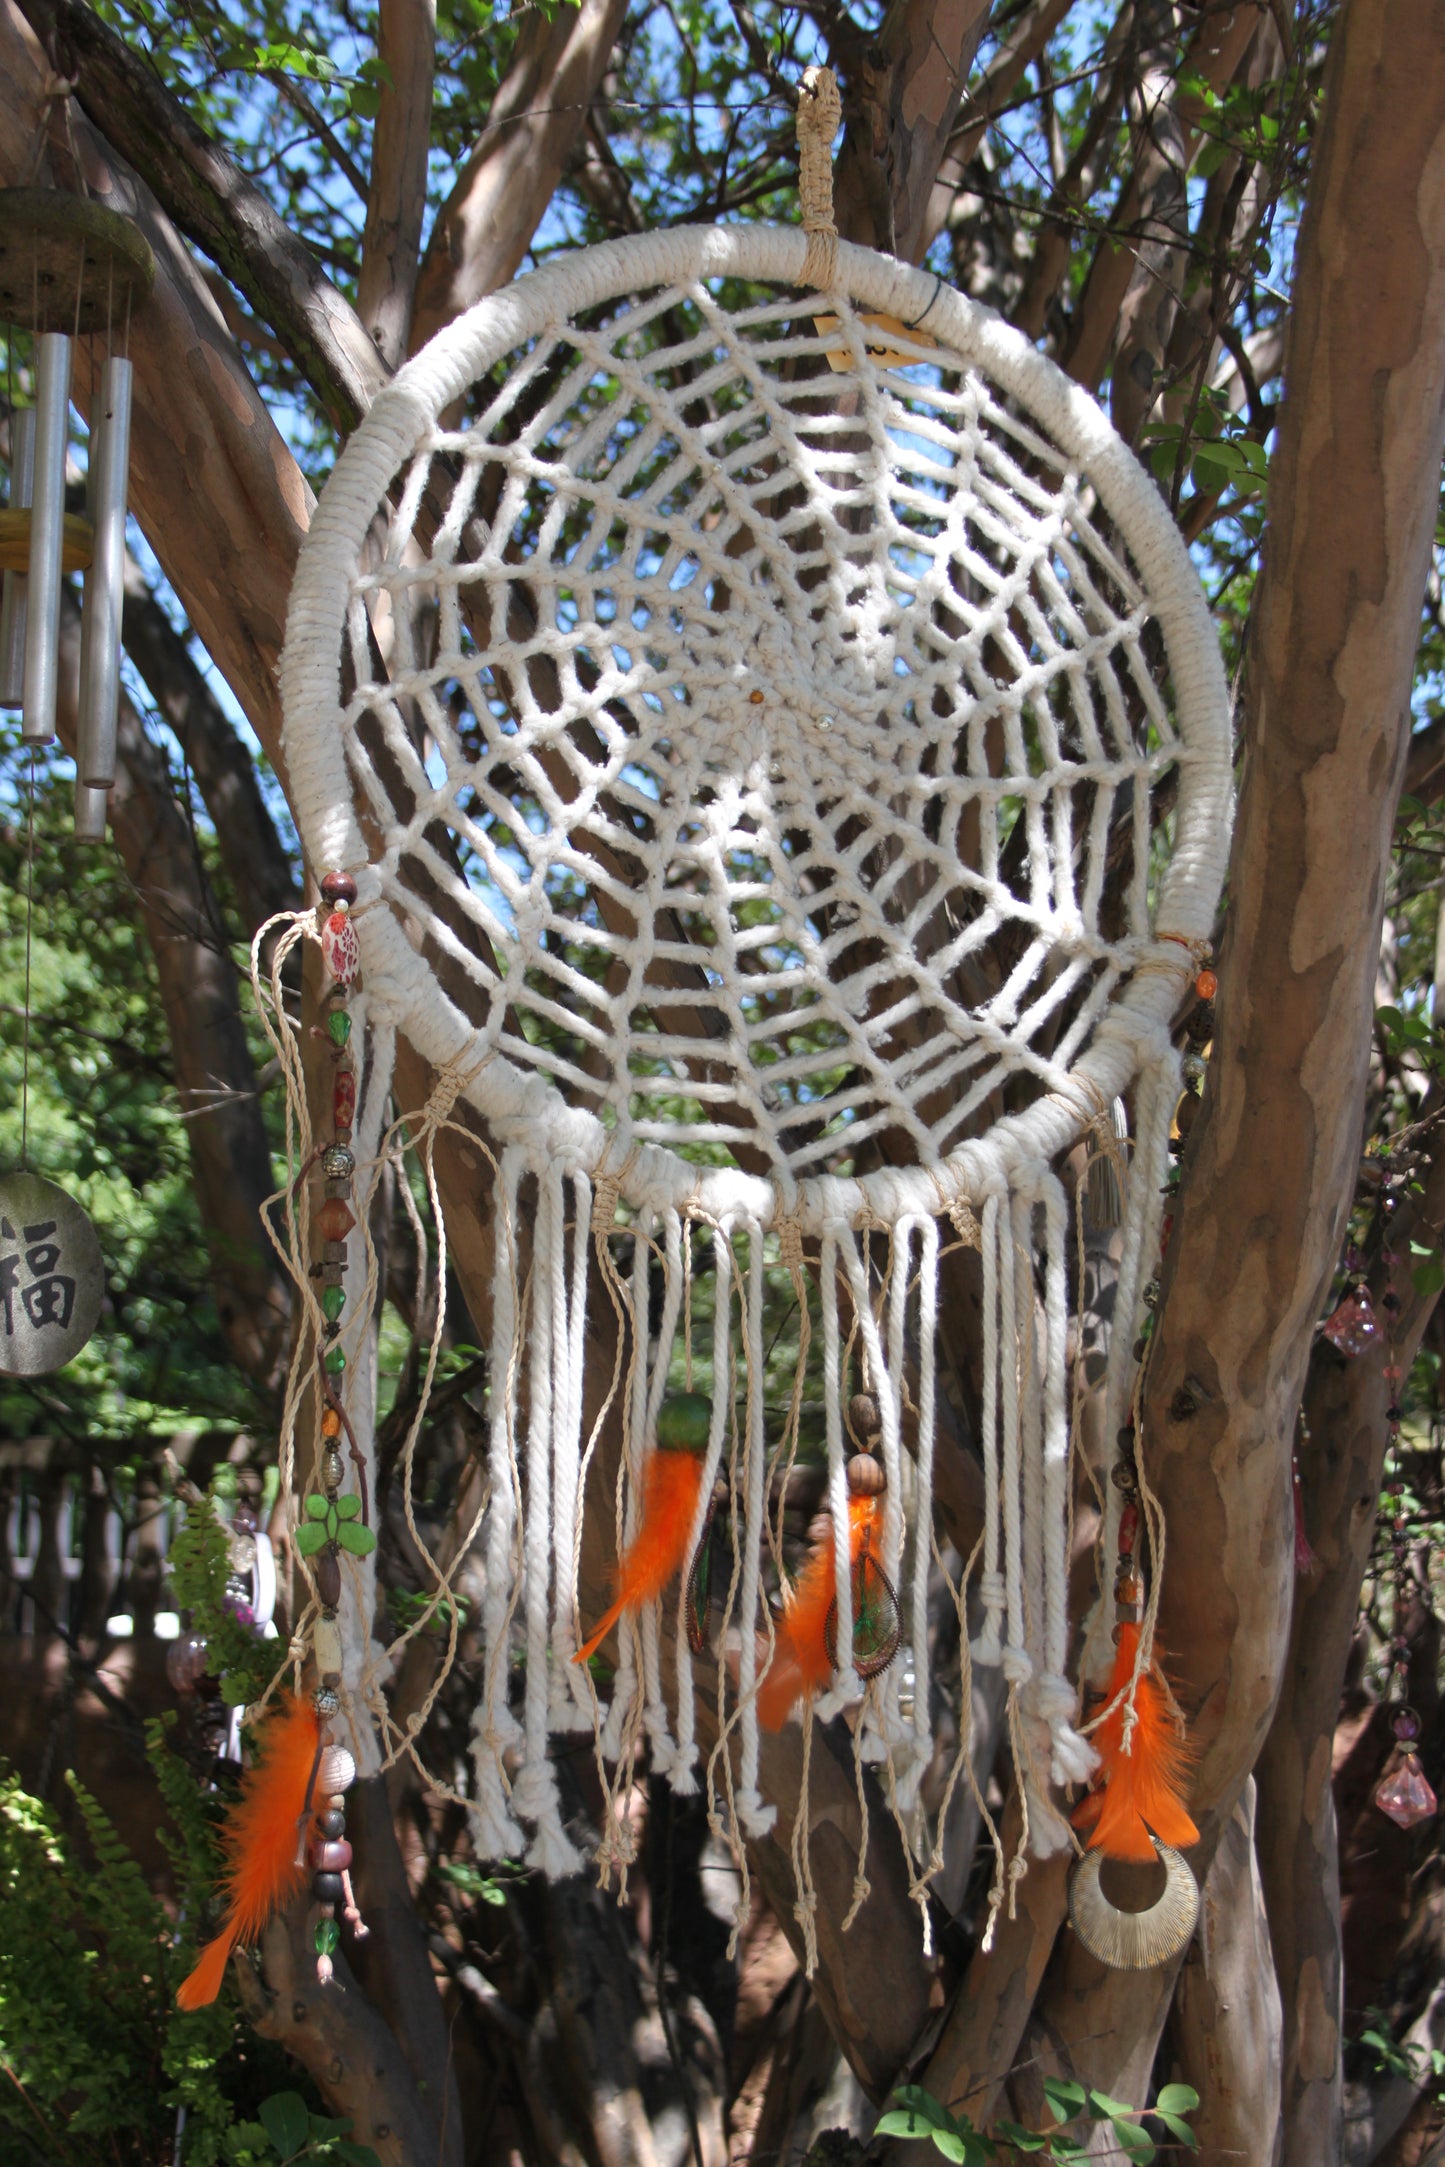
(866, 1476)
(1206, 985)
(331, 1856)
(864, 1419)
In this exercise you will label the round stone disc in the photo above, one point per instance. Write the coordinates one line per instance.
(52, 1277)
(68, 264)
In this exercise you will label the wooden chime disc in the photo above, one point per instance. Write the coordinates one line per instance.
(52, 1277)
(67, 264)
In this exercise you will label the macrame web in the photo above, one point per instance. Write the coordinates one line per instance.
(784, 765)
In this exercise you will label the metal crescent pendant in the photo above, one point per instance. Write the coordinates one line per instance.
(1134, 1940)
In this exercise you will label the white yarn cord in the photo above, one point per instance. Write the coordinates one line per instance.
(618, 1724)
(988, 1642)
(882, 1726)
(495, 1829)
(1072, 1759)
(755, 1816)
(571, 1699)
(684, 1760)
(659, 1729)
(534, 1794)
(359, 1674)
(847, 1685)
(1048, 1831)
(912, 1769)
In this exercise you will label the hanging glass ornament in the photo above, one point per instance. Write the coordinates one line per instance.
(1403, 1792)
(1353, 1328)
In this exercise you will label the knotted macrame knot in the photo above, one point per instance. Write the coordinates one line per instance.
(820, 111)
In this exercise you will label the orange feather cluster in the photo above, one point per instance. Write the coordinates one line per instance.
(1140, 1790)
(801, 1661)
(261, 1840)
(670, 1484)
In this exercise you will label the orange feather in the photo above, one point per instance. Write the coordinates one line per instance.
(801, 1662)
(1142, 1789)
(261, 1839)
(670, 1483)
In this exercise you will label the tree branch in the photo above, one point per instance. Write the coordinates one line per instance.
(215, 1078)
(251, 851)
(1140, 260)
(486, 224)
(900, 110)
(396, 202)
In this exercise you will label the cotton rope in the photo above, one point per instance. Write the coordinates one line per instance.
(760, 822)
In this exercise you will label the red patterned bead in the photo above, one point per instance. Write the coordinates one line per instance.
(343, 1098)
(1128, 1530)
(339, 946)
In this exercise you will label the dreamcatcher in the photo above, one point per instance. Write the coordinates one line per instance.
(769, 754)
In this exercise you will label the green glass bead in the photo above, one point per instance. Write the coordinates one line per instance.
(335, 1361)
(333, 1301)
(327, 1937)
(338, 1023)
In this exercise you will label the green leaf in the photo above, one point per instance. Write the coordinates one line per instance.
(310, 1538)
(1022, 2140)
(357, 2155)
(359, 1540)
(902, 2122)
(349, 1507)
(957, 2147)
(287, 2121)
(1065, 2099)
(924, 2105)
(1428, 1278)
(316, 1506)
(1133, 2140)
(1102, 2105)
(1179, 2130)
(1178, 2099)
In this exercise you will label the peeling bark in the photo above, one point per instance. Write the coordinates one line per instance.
(1225, 2029)
(900, 107)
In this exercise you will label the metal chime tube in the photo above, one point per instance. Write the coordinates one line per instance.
(17, 585)
(47, 537)
(105, 581)
(91, 808)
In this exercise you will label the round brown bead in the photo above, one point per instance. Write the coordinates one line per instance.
(332, 1856)
(866, 1476)
(338, 888)
(864, 1419)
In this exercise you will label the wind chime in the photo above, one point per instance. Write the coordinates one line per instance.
(68, 269)
(735, 689)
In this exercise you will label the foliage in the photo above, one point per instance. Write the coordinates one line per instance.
(286, 2129)
(104, 1122)
(99, 2059)
(200, 1567)
(1073, 2106)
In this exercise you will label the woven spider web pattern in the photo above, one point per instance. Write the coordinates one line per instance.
(766, 729)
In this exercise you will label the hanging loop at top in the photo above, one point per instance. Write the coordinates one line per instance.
(820, 110)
